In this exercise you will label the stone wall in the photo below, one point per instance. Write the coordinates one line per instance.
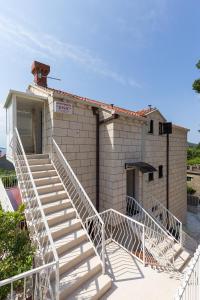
(178, 173)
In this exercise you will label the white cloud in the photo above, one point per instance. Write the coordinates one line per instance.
(2, 126)
(50, 46)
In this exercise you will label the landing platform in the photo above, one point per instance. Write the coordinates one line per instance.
(133, 281)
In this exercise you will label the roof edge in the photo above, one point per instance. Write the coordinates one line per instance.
(21, 94)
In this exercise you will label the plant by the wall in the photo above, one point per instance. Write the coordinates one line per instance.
(16, 251)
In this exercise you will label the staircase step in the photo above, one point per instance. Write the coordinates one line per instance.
(181, 260)
(70, 240)
(35, 156)
(93, 289)
(71, 281)
(75, 256)
(51, 197)
(56, 206)
(60, 216)
(65, 228)
(44, 174)
(38, 161)
(41, 167)
(46, 180)
(46, 189)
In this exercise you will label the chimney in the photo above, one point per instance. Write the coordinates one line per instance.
(40, 72)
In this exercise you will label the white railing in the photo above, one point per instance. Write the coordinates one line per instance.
(4, 199)
(190, 286)
(89, 217)
(9, 181)
(36, 221)
(165, 218)
(33, 284)
(126, 232)
(157, 241)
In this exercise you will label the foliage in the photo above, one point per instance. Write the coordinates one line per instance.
(4, 172)
(190, 190)
(193, 155)
(196, 83)
(16, 251)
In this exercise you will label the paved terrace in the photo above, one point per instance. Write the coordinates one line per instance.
(133, 281)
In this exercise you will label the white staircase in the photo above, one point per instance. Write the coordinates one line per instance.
(164, 249)
(53, 219)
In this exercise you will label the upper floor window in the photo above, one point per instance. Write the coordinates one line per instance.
(151, 126)
(160, 127)
(160, 171)
(151, 176)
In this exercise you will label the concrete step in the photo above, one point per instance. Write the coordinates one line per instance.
(40, 168)
(70, 240)
(45, 167)
(44, 174)
(46, 180)
(52, 197)
(38, 161)
(181, 260)
(93, 289)
(60, 216)
(55, 206)
(74, 279)
(75, 256)
(35, 156)
(51, 188)
(65, 228)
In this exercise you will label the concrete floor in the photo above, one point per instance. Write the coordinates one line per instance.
(192, 226)
(133, 281)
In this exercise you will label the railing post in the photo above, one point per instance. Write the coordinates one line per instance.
(57, 280)
(103, 249)
(143, 245)
(181, 234)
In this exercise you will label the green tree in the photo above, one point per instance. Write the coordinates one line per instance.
(196, 83)
(16, 251)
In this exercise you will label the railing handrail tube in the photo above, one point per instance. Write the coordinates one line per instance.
(79, 184)
(26, 274)
(169, 212)
(146, 212)
(188, 274)
(122, 215)
(37, 197)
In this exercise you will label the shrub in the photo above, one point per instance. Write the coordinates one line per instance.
(190, 190)
(16, 251)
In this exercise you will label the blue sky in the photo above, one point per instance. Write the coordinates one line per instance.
(128, 52)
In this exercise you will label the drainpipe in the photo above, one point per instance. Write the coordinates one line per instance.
(98, 123)
(167, 171)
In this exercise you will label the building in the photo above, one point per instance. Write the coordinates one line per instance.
(98, 179)
(105, 145)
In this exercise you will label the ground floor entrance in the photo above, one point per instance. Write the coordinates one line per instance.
(30, 125)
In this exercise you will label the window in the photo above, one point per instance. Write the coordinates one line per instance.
(151, 126)
(151, 177)
(160, 128)
(160, 171)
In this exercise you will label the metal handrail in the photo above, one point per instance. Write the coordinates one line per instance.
(18, 159)
(154, 233)
(81, 202)
(128, 233)
(190, 285)
(172, 220)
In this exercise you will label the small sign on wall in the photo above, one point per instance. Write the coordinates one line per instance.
(63, 107)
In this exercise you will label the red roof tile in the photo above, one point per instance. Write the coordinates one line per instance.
(101, 104)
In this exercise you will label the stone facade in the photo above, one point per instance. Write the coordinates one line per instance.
(126, 139)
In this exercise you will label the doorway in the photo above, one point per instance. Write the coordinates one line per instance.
(131, 206)
(130, 183)
(30, 125)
